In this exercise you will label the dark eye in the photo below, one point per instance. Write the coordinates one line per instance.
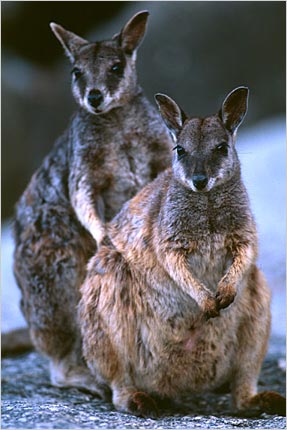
(180, 150)
(76, 72)
(117, 68)
(222, 148)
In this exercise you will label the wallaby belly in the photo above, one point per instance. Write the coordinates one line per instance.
(197, 360)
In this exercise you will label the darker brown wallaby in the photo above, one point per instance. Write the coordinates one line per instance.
(115, 144)
(173, 302)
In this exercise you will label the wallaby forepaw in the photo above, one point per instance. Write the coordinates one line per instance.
(210, 309)
(225, 296)
(142, 405)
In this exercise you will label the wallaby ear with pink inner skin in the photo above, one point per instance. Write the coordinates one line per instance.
(234, 108)
(171, 113)
(133, 32)
(70, 41)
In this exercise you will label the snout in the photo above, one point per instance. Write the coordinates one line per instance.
(199, 182)
(95, 98)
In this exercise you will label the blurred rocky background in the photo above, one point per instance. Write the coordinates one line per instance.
(194, 51)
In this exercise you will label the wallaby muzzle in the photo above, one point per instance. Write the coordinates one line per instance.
(199, 181)
(95, 98)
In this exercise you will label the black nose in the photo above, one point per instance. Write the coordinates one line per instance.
(199, 181)
(95, 98)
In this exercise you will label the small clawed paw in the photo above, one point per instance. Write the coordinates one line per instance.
(225, 296)
(210, 309)
(142, 405)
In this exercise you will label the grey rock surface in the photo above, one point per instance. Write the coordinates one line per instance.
(30, 402)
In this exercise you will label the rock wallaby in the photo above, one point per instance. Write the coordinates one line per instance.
(173, 302)
(115, 144)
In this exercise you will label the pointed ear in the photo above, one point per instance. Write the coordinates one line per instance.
(234, 108)
(171, 113)
(70, 41)
(133, 32)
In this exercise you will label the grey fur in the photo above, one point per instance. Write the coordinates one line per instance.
(105, 156)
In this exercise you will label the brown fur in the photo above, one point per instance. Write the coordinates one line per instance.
(173, 302)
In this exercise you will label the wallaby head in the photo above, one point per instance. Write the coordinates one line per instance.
(104, 73)
(205, 154)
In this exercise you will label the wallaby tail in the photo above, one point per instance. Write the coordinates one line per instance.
(16, 342)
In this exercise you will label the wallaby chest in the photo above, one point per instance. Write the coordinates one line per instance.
(211, 259)
(129, 162)
(122, 156)
(206, 229)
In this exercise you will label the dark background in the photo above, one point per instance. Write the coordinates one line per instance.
(196, 52)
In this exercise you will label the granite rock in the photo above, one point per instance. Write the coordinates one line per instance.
(30, 402)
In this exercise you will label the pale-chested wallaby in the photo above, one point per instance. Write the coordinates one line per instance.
(116, 143)
(173, 302)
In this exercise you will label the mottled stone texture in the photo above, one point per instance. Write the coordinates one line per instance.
(30, 402)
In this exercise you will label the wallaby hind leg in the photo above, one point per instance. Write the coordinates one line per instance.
(135, 402)
(71, 371)
(253, 338)
(49, 267)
